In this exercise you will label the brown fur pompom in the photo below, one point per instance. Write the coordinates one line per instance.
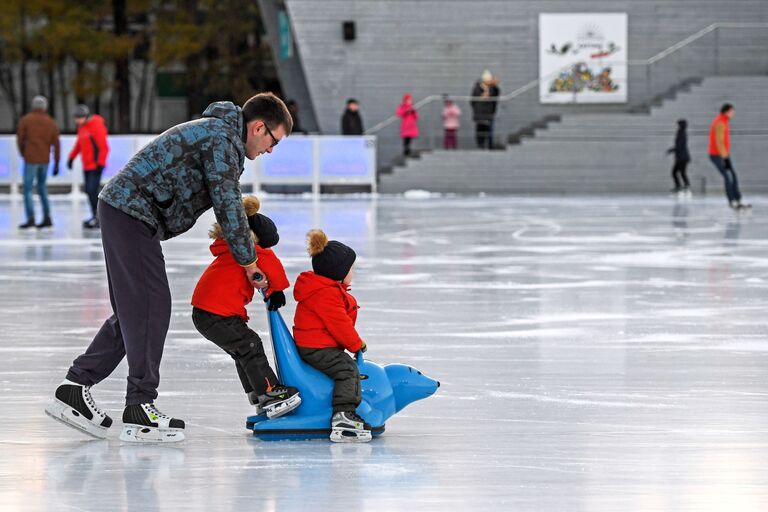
(251, 205)
(316, 241)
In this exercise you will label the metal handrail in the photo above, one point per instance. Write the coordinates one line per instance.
(533, 83)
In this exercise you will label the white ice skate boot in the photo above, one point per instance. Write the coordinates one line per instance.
(74, 406)
(144, 423)
(278, 401)
(348, 427)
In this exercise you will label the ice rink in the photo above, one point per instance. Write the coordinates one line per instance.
(594, 354)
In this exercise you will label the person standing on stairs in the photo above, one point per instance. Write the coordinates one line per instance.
(682, 158)
(451, 115)
(484, 103)
(720, 155)
(409, 123)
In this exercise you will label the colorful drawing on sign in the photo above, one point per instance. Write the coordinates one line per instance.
(581, 78)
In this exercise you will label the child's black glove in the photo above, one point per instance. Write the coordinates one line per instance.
(276, 300)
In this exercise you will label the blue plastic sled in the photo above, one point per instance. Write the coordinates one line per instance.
(386, 391)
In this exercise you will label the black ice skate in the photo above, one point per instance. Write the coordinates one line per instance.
(348, 427)
(278, 401)
(144, 423)
(74, 406)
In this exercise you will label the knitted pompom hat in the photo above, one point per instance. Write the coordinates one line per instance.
(264, 229)
(330, 259)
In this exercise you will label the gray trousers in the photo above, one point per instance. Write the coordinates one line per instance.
(339, 366)
(141, 303)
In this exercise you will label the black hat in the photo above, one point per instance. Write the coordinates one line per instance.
(330, 259)
(264, 229)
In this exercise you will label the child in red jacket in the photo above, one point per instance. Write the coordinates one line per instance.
(219, 312)
(324, 326)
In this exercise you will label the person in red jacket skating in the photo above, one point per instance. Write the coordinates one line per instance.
(324, 326)
(91, 145)
(219, 313)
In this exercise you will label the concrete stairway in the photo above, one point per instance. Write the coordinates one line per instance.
(609, 153)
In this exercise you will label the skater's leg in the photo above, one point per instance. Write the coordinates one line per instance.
(675, 174)
(29, 180)
(684, 174)
(107, 348)
(727, 177)
(346, 425)
(259, 381)
(734, 180)
(42, 190)
(141, 295)
(340, 367)
(232, 335)
(92, 185)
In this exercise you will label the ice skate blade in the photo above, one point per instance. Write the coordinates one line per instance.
(349, 436)
(279, 409)
(63, 413)
(143, 434)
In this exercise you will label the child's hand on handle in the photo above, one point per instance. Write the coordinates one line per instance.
(256, 276)
(363, 347)
(276, 300)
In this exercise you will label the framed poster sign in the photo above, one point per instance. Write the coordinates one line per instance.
(583, 57)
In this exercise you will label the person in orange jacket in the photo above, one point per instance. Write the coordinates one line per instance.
(91, 145)
(720, 154)
(324, 326)
(219, 313)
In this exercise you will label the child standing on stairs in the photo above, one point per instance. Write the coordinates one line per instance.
(451, 115)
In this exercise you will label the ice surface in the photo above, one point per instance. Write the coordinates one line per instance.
(596, 354)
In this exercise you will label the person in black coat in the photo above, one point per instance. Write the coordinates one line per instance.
(351, 122)
(484, 110)
(682, 158)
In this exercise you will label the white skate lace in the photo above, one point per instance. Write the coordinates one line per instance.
(91, 402)
(154, 410)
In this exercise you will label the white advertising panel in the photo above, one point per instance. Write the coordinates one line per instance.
(583, 57)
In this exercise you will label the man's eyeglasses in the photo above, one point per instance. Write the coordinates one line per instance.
(275, 142)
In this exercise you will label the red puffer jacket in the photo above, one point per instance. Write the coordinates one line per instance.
(224, 290)
(91, 143)
(325, 314)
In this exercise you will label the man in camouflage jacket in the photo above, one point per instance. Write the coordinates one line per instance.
(160, 194)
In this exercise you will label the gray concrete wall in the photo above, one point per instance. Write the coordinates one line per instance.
(615, 153)
(430, 47)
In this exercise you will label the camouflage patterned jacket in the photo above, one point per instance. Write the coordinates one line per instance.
(175, 178)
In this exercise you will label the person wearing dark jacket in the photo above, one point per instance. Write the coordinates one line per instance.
(351, 122)
(484, 104)
(91, 145)
(682, 158)
(36, 135)
(293, 108)
(158, 195)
